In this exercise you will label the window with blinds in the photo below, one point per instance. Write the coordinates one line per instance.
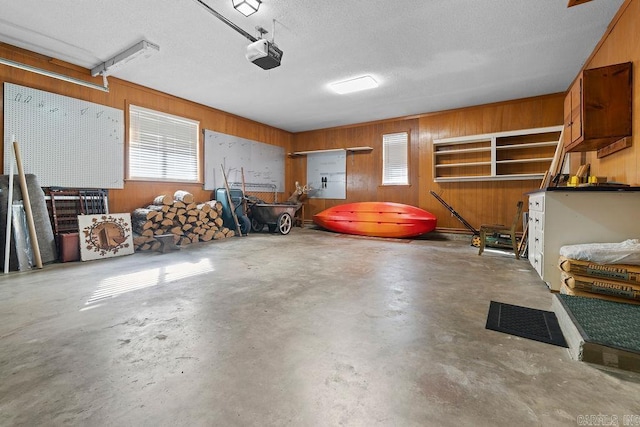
(395, 160)
(162, 147)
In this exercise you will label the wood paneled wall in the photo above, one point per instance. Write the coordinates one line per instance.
(478, 202)
(621, 44)
(364, 169)
(121, 93)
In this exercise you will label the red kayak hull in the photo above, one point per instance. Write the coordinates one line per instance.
(377, 219)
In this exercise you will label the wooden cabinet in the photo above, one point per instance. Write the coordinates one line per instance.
(597, 108)
(511, 155)
(569, 216)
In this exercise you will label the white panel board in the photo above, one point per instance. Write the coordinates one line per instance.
(327, 172)
(262, 163)
(65, 142)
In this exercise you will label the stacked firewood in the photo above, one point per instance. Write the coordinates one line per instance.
(180, 217)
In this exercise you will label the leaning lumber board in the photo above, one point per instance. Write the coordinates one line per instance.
(183, 196)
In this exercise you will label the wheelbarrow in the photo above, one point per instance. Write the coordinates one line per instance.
(276, 216)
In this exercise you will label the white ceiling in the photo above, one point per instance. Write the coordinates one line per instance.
(427, 55)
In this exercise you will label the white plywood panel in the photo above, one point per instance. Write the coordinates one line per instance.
(65, 142)
(327, 174)
(261, 163)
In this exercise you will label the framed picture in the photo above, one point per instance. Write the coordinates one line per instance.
(105, 236)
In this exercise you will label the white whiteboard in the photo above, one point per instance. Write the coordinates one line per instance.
(327, 174)
(65, 142)
(262, 163)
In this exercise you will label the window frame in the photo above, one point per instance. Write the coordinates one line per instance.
(196, 156)
(407, 165)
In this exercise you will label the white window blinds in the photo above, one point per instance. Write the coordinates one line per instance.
(162, 147)
(395, 165)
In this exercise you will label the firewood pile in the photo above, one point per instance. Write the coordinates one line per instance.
(180, 217)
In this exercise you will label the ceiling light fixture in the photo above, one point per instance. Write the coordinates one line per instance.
(354, 85)
(142, 48)
(246, 7)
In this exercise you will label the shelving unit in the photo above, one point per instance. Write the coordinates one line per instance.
(521, 154)
(349, 149)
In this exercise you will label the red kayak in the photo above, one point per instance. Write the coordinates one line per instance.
(378, 219)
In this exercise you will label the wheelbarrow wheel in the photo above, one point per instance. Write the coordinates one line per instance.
(284, 223)
(256, 226)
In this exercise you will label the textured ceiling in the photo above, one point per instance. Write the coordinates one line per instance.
(427, 55)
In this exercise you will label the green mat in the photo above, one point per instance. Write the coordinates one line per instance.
(607, 323)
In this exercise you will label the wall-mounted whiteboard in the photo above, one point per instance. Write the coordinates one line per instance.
(327, 174)
(262, 163)
(65, 142)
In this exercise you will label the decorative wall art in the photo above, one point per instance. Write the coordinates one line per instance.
(105, 236)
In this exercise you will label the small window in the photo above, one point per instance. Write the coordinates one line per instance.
(395, 164)
(162, 147)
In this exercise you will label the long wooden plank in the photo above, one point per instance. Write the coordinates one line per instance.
(27, 206)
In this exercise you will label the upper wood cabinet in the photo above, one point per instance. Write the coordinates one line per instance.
(597, 108)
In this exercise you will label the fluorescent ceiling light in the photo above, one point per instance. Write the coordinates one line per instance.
(354, 85)
(246, 7)
(142, 48)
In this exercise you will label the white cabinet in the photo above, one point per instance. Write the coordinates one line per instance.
(519, 154)
(567, 216)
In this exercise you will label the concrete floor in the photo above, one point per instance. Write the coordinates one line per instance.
(309, 329)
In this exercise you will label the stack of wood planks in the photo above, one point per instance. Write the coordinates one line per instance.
(180, 217)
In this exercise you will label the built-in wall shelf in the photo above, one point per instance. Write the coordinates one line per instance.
(513, 155)
(348, 149)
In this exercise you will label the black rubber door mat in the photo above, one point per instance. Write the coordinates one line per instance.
(538, 325)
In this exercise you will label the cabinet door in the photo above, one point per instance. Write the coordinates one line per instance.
(576, 110)
(566, 136)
